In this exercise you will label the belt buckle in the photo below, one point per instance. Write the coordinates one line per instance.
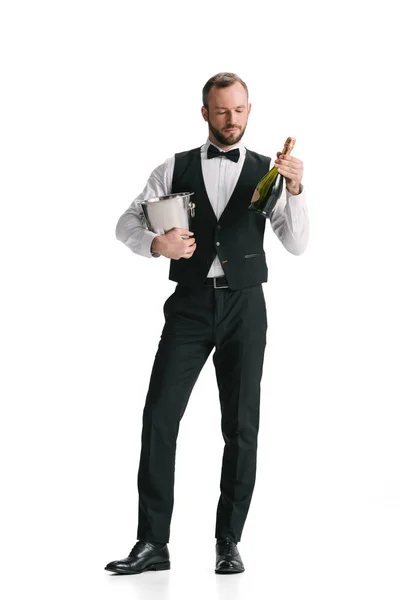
(218, 287)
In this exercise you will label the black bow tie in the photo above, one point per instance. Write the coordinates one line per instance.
(212, 152)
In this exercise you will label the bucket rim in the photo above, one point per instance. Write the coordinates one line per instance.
(167, 197)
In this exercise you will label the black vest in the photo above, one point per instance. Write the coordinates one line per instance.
(237, 237)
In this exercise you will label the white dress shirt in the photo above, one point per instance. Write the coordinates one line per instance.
(289, 219)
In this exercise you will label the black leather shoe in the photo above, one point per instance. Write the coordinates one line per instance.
(144, 556)
(228, 557)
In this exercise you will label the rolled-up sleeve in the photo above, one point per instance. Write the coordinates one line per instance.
(131, 228)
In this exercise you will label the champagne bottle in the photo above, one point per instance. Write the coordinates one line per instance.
(269, 188)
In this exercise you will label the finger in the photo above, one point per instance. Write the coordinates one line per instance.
(190, 250)
(289, 176)
(286, 158)
(183, 231)
(290, 158)
(283, 170)
(292, 167)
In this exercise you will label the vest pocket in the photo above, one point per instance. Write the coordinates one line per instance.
(253, 255)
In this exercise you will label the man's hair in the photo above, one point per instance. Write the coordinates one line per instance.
(221, 80)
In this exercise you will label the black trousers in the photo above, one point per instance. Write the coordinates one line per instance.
(196, 322)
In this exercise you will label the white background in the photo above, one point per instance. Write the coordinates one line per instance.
(94, 96)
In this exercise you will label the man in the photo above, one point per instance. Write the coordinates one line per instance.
(218, 304)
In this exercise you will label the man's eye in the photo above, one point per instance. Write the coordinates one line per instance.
(220, 113)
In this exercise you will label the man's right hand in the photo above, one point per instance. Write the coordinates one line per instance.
(172, 245)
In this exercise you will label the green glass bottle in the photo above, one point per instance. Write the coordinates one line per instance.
(269, 189)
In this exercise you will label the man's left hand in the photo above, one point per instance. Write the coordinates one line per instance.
(292, 170)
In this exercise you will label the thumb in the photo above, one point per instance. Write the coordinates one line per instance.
(183, 231)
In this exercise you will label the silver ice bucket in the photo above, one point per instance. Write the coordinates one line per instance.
(166, 212)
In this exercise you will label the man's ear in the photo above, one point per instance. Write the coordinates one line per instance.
(204, 112)
(249, 105)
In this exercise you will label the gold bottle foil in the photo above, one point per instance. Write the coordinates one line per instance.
(289, 145)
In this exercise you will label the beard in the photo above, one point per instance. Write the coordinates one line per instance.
(226, 140)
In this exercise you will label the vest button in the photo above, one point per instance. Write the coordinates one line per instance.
(217, 244)
(218, 226)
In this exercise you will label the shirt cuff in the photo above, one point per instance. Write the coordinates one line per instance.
(148, 237)
(299, 200)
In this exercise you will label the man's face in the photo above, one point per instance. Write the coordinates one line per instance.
(227, 114)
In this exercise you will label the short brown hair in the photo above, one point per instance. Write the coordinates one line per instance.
(221, 80)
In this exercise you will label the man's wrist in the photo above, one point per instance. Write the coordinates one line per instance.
(295, 191)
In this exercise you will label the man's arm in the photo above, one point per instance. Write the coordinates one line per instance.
(289, 219)
(131, 229)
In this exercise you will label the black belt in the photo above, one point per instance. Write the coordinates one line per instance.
(217, 282)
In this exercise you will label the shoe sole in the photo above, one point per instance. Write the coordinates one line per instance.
(164, 566)
(228, 571)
